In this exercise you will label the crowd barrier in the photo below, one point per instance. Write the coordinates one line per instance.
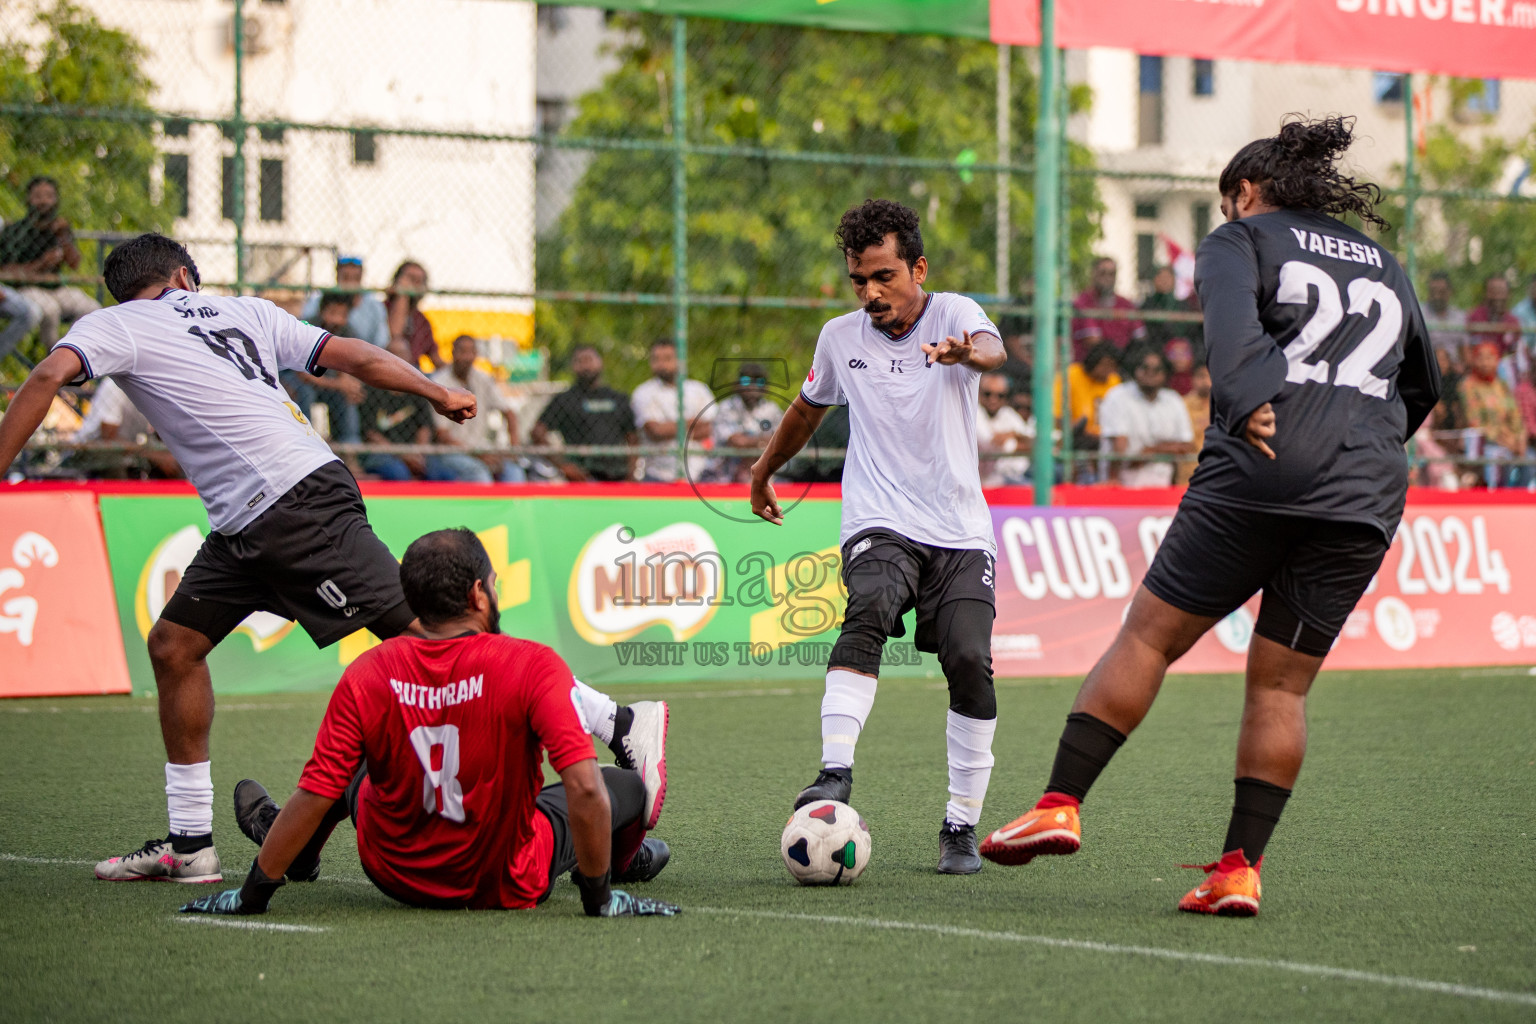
(662, 583)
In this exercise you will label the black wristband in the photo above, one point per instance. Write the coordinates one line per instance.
(595, 892)
(257, 891)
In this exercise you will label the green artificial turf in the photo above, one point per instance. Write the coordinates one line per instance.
(1407, 851)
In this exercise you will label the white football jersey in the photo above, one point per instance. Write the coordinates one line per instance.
(203, 370)
(911, 464)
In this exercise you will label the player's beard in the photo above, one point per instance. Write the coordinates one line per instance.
(494, 625)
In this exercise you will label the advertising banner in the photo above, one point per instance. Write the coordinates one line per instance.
(1458, 587)
(58, 630)
(627, 590)
(639, 590)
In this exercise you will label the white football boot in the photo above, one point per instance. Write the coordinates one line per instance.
(157, 861)
(645, 751)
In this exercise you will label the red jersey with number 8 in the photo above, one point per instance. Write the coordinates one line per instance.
(453, 732)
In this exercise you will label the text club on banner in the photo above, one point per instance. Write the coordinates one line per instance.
(1458, 587)
(58, 627)
(666, 590)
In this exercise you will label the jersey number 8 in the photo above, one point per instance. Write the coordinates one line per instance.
(1296, 280)
(440, 789)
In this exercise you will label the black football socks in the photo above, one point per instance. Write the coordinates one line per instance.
(190, 844)
(1255, 813)
(1087, 744)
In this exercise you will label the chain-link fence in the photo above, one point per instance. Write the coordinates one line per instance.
(565, 177)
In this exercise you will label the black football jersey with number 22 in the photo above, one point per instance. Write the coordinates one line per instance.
(1306, 313)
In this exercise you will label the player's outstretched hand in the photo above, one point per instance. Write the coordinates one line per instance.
(458, 406)
(765, 504)
(226, 902)
(1261, 427)
(950, 351)
(622, 904)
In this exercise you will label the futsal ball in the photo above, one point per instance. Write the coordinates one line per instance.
(825, 843)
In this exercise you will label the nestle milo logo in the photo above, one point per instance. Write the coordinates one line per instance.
(622, 584)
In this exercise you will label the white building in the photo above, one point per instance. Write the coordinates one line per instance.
(1186, 117)
(462, 208)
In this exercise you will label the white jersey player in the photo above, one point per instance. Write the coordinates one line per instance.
(916, 531)
(289, 534)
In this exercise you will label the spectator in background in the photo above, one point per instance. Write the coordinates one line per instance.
(1500, 327)
(1492, 415)
(479, 432)
(1181, 365)
(999, 428)
(589, 412)
(1450, 389)
(1019, 367)
(366, 316)
(393, 417)
(1198, 404)
(1162, 299)
(1087, 384)
(1525, 398)
(21, 316)
(340, 393)
(1088, 331)
(1525, 312)
(655, 405)
(37, 249)
(113, 417)
(812, 465)
(745, 419)
(1142, 417)
(406, 324)
(1438, 469)
(1447, 324)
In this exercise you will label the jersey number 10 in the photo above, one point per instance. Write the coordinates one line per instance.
(249, 364)
(1296, 280)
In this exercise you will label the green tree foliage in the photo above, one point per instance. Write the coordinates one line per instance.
(764, 227)
(1473, 232)
(102, 164)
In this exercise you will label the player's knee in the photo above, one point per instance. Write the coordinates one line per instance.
(626, 794)
(971, 692)
(859, 651)
(168, 649)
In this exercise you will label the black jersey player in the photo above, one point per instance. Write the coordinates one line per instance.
(1321, 368)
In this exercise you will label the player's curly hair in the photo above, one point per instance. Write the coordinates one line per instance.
(1298, 169)
(868, 224)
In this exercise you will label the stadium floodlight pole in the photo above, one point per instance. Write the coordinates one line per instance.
(680, 224)
(1410, 181)
(237, 128)
(1003, 286)
(1047, 185)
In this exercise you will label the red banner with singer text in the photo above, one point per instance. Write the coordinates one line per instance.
(1458, 587)
(58, 620)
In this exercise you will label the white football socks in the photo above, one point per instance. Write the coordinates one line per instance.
(189, 798)
(597, 711)
(844, 710)
(970, 766)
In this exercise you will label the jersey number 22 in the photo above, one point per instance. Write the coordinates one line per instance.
(1354, 371)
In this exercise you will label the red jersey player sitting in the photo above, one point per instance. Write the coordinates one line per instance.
(434, 747)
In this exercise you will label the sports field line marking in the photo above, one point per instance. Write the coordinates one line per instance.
(18, 859)
(147, 709)
(251, 926)
(1086, 945)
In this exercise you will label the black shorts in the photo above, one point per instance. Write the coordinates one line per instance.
(312, 557)
(887, 575)
(1312, 571)
(626, 802)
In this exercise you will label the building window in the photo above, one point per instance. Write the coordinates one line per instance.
(1150, 106)
(176, 178)
(272, 190)
(365, 147)
(176, 127)
(1387, 87)
(271, 134)
(1204, 77)
(1200, 213)
(1146, 210)
(227, 183)
(1146, 256)
(227, 129)
(1485, 100)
